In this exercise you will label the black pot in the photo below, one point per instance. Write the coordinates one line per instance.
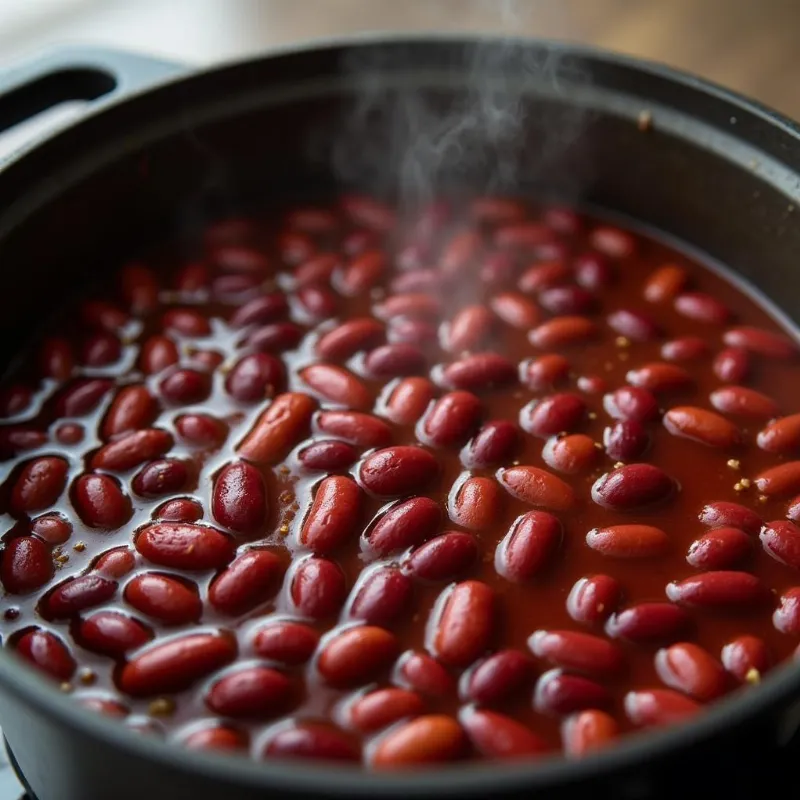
(716, 172)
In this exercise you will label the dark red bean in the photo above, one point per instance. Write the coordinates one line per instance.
(100, 503)
(558, 692)
(631, 402)
(239, 498)
(548, 416)
(499, 676)
(77, 594)
(164, 476)
(493, 444)
(451, 419)
(328, 455)
(404, 525)
(626, 440)
(318, 588)
(260, 310)
(592, 600)
(27, 565)
(396, 471)
(290, 643)
(276, 338)
(444, 557)
(251, 693)
(47, 653)
(185, 387)
(255, 377)
(167, 599)
(382, 598)
(38, 485)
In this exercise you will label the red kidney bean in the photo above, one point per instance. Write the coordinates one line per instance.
(368, 212)
(384, 707)
(132, 450)
(779, 481)
(278, 429)
(395, 360)
(592, 600)
(408, 400)
(185, 387)
(133, 408)
(192, 278)
(659, 376)
(722, 514)
(665, 283)
(562, 332)
(459, 253)
(544, 372)
(632, 486)
(429, 739)
(761, 342)
(311, 740)
(493, 444)
(538, 487)
(732, 365)
(718, 589)
(631, 403)
(497, 736)
(416, 280)
(27, 565)
(239, 498)
(382, 598)
(14, 400)
(626, 440)
(70, 433)
(160, 477)
(592, 384)
(476, 504)
(416, 305)
(101, 705)
(355, 427)
(251, 579)
(51, 528)
(702, 308)
(579, 652)
(17, 438)
(412, 331)
(743, 402)
(255, 377)
(115, 563)
(561, 300)
(295, 247)
(99, 314)
(786, 617)
(496, 210)
(655, 707)
(718, 549)
(76, 594)
(337, 385)
(201, 430)
(328, 455)
(275, 338)
(499, 676)
(361, 274)
(628, 541)
(82, 397)
(543, 276)
(468, 329)
(38, 485)
(515, 310)
(238, 258)
(207, 360)
(404, 525)
(318, 588)
(746, 658)
(691, 670)
(139, 286)
(334, 515)
(451, 418)
(56, 359)
(47, 653)
(260, 310)
(348, 338)
(480, 372)
(633, 325)
(444, 557)
(184, 545)
(557, 413)
(423, 674)
(100, 503)
(687, 348)
(528, 546)
(158, 353)
(167, 599)
(396, 471)
(781, 436)
(781, 540)
(175, 665)
(587, 732)
(701, 425)
(186, 322)
(465, 624)
(522, 235)
(216, 738)
(649, 622)
(290, 643)
(251, 693)
(558, 692)
(356, 655)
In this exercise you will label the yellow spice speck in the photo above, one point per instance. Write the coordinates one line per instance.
(734, 463)
(624, 356)
(161, 707)
(746, 483)
(622, 341)
(762, 498)
(284, 529)
(619, 464)
(753, 675)
(592, 415)
(66, 687)
(644, 122)
(598, 445)
(79, 547)
(87, 676)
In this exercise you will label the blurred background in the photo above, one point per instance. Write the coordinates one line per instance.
(748, 45)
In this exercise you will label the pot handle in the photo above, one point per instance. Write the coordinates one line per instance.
(41, 95)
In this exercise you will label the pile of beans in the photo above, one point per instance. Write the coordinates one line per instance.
(486, 482)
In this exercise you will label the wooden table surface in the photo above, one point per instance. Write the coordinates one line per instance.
(749, 45)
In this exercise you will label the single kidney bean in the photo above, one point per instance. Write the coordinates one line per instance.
(493, 444)
(76, 594)
(356, 655)
(420, 332)
(47, 653)
(408, 400)
(476, 504)
(404, 525)
(587, 732)
(99, 314)
(396, 471)
(743, 402)
(157, 353)
(416, 279)
(311, 740)
(544, 372)
(659, 376)
(337, 385)
(542, 276)
(612, 242)
(562, 332)
(497, 736)
(558, 692)
(786, 617)
(429, 739)
(444, 557)
(451, 419)
(192, 278)
(254, 377)
(318, 588)
(17, 438)
(732, 365)
(278, 429)
(628, 541)
(201, 430)
(721, 548)
(100, 503)
(480, 372)
(185, 387)
(334, 515)
(665, 283)
(779, 481)
(560, 300)
(633, 325)
(132, 449)
(115, 563)
(139, 286)
(184, 546)
(465, 624)
(423, 674)
(416, 305)
(515, 310)
(160, 477)
(528, 546)
(250, 579)
(570, 454)
(718, 589)
(38, 485)
(579, 652)
(468, 329)
(290, 643)
(723, 514)
(239, 498)
(594, 599)
(702, 308)
(781, 436)
(761, 342)
(260, 310)
(102, 705)
(14, 400)
(348, 338)
(382, 597)
(379, 709)
(459, 253)
(328, 455)
(355, 427)
(251, 693)
(701, 425)
(186, 322)
(548, 416)
(655, 707)
(167, 599)
(499, 676)
(56, 359)
(276, 337)
(626, 440)
(238, 258)
(631, 403)
(395, 360)
(649, 622)
(746, 658)
(52, 529)
(361, 274)
(27, 565)
(691, 670)
(687, 348)
(538, 487)
(216, 738)
(175, 665)
(781, 540)
(133, 408)
(632, 486)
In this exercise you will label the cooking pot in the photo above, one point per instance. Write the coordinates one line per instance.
(713, 171)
